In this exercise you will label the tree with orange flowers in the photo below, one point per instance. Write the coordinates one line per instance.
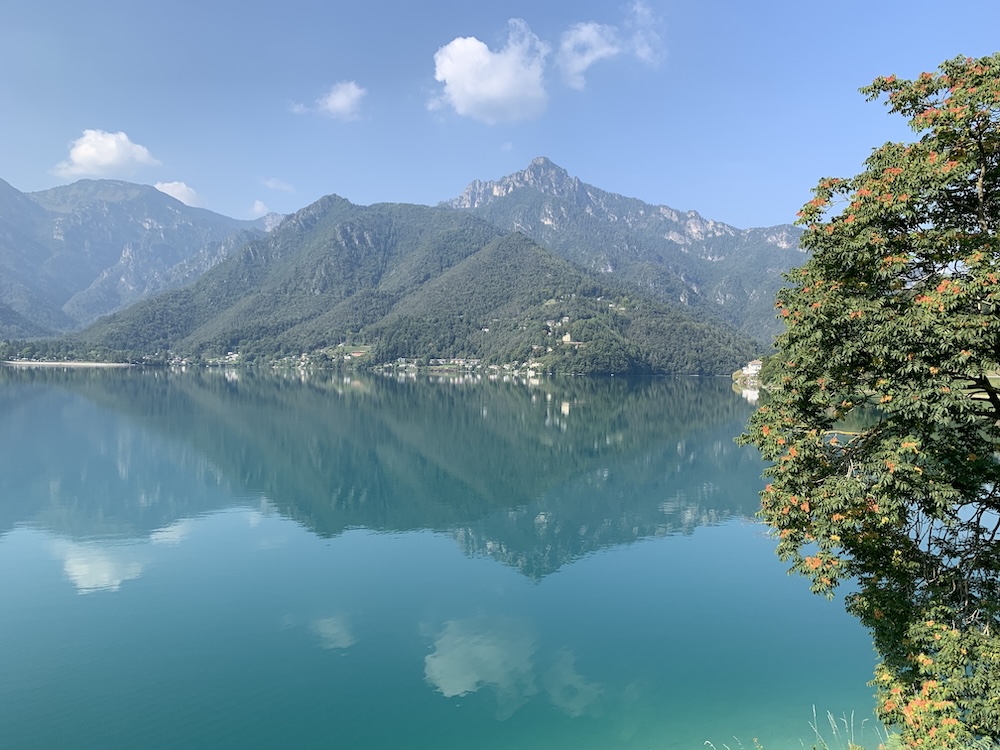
(882, 429)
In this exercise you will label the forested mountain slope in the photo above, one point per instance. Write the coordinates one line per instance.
(672, 255)
(415, 281)
(73, 253)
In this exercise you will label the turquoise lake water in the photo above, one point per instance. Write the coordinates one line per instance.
(234, 560)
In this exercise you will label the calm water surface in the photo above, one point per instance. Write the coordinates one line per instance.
(213, 560)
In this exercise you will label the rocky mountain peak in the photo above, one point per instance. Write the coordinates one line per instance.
(82, 194)
(270, 221)
(541, 174)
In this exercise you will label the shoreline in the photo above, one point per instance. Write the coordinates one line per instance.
(32, 363)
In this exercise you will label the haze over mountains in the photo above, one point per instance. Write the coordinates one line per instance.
(537, 265)
(73, 253)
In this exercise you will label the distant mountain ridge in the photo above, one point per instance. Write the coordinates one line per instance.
(415, 281)
(73, 253)
(680, 256)
(537, 265)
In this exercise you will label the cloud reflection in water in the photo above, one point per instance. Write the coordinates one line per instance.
(91, 567)
(333, 632)
(477, 652)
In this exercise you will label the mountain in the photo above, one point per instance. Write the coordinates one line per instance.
(711, 267)
(417, 281)
(73, 253)
(536, 266)
(27, 306)
(13, 321)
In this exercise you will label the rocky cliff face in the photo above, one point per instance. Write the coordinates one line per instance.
(541, 175)
(74, 253)
(676, 255)
(551, 181)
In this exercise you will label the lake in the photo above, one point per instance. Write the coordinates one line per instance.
(233, 559)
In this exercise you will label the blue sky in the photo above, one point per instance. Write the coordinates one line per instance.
(733, 109)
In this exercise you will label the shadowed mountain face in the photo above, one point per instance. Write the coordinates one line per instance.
(534, 476)
(71, 254)
(674, 255)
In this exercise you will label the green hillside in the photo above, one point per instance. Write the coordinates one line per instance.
(712, 268)
(73, 253)
(414, 281)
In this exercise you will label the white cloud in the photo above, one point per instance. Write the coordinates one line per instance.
(341, 102)
(582, 45)
(179, 190)
(644, 41)
(259, 208)
(509, 85)
(274, 183)
(98, 153)
(504, 86)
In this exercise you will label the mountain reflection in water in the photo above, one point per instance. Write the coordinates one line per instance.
(532, 475)
(247, 560)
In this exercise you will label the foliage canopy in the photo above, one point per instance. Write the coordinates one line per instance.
(883, 426)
